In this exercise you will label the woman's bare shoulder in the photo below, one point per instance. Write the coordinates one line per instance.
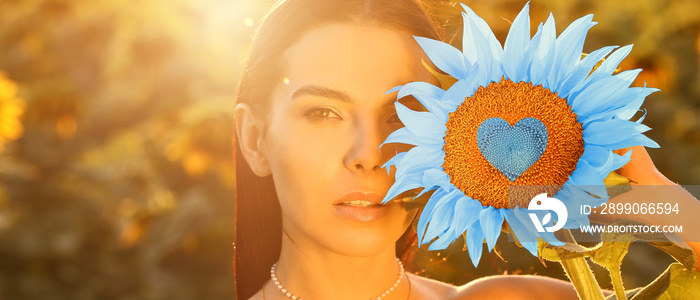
(516, 287)
(426, 288)
(257, 296)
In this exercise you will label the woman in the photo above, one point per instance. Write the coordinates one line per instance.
(314, 123)
(311, 115)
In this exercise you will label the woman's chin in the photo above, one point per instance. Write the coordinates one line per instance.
(369, 232)
(364, 245)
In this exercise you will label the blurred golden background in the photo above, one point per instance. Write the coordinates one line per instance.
(116, 177)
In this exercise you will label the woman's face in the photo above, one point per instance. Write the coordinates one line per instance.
(327, 120)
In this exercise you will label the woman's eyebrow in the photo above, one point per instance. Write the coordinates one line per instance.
(314, 90)
(390, 101)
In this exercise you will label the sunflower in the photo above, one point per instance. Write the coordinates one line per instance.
(533, 113)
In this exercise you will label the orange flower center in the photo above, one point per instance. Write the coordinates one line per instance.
(470, 172)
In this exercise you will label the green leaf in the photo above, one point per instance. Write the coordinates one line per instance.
(557, 253)
(657, 287)
(571, 257)
(677, 282)
(610, 255)
(678, 250)
(614, 247)
(628, 294)
(684, 283)
(613, 250)
(617, 184)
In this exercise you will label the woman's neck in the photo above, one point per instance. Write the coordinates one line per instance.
(314, 272)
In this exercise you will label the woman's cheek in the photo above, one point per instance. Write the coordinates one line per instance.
(310, 152)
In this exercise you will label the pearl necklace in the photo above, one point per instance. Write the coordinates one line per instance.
(290, 295)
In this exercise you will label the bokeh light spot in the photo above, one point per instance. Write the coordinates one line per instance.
(248, 22)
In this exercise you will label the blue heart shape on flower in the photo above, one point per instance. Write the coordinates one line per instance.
(512, 149)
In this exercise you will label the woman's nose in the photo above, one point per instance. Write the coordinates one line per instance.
(364, 154)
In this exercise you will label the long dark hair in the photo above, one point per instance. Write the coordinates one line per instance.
(258, 216)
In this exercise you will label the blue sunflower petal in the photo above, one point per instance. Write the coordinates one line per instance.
(610, 64)
(639, 121)
(467, 212)
(596, 156)
(606, 68)
(516, 45)
(573, 199)
(468, 43)
(491, 221)
(551, 239)
(599, 158)
(402, 184)
(637, 94)
(394, 89)
(577, 220)
(443, 241)
(426, 213)
(595, 195)
(476, 45)
(603, 94)
(620, 160)
(530, 52)
(475, 242)
(624, 107)
(393, 161)
(420, 123)
(428, 95)
(574, 81)
(485, 31)
(420, 159)
(405, 136)
(436, 178)
(522, 227)
(442, 215)
(457, 92)
(544, 51)
(633, 140)
(495, 53)
(598, 192)
(610, 131)
(569, 49)
(585, 174)
(444, 56)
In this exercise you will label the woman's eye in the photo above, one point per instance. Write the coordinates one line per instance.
(394, 119)
(322, 115)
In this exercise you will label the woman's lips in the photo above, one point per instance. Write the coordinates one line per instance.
(361, 207)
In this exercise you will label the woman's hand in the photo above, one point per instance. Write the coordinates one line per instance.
(640, 169)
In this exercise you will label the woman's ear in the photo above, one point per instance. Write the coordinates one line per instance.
(249, 131)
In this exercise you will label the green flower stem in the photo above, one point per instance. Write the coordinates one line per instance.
(580, 274)
(616, 276)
